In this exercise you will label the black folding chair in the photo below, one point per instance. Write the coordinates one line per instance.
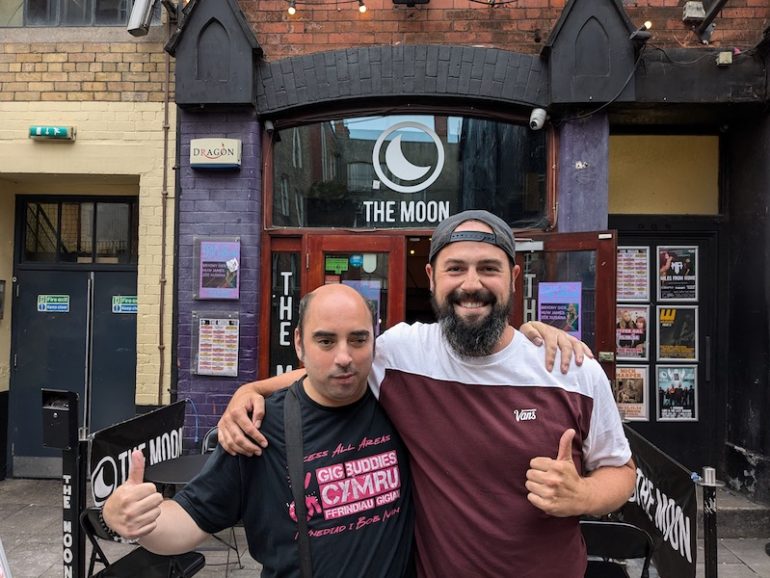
(209, 444)
(610, 543)
(138, 562)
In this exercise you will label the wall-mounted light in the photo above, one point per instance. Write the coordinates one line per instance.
(641, 34)
(361, 6)
(292, 8)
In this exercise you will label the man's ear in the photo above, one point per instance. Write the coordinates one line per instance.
(514, 275)
(298, 344)
(429, 272)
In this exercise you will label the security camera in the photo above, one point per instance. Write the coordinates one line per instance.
(141, 17)
(537, 118)
(269, 127)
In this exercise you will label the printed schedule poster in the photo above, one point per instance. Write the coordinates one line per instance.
(677, 393)
(630, 389)
(219, 269)
(633, 277)
(677, 279)
(678, 333)
(631, 332)
(218, 347)
(559, 305)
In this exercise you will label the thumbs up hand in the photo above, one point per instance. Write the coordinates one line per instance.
(134, 506)
(554, 485)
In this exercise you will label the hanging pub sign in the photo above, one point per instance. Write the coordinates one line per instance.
(631, 332)
(630, 389)
(677, 279)
(677, 392)
(678, 333)
(633, 277)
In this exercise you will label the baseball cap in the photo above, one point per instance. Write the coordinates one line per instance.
(501, 234)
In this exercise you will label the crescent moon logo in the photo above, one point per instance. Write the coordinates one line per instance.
(104, 480)
(398, 165)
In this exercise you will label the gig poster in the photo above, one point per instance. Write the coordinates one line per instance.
(630, 390)
(219, 269)
(217, 347)
(559, 305)
(631, 332)
(677, 392)
(633, 277)
(677, 279)
(678, 333)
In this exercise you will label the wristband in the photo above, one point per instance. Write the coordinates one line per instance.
(112, 534)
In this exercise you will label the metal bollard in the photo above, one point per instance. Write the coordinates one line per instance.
(709, 485)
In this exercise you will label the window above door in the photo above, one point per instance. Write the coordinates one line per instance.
(407, 171)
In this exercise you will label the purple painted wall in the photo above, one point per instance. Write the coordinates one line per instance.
(583, 175)
(212, 204)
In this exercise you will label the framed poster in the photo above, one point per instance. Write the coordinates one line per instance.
(558, 304)
(677, 388)
(630, 390)
(633, 276)
(631, 338)
(215, 343)
(218, 263)
(677, 273)
(677, 333)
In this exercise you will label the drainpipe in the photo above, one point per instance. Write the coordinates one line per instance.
(164, 221)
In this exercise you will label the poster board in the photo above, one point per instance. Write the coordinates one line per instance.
(215, 343)
(630, 390)
(633, 278)
(217, 268)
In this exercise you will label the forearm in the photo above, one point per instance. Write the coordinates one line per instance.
(608, 488)
(265, 387)
(176, 532)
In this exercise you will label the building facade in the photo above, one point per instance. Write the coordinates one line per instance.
(324, 145)
(359, 131)
(86, 241)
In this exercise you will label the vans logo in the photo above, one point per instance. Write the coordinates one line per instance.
(525, 414)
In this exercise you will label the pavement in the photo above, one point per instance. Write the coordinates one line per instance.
(31, 515)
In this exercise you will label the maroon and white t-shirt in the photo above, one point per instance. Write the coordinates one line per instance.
(471, 426)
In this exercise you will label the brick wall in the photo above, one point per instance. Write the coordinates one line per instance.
(520, 26)
(216, 204)
(82, 71)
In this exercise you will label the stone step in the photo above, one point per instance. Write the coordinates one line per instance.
(737, 516)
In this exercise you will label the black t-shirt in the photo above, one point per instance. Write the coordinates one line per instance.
(357, 492)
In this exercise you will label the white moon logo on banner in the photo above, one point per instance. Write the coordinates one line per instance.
(399, 166)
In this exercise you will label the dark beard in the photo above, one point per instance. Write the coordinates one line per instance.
(476, 337)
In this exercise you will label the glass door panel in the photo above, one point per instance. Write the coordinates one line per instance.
(568, 280)
(373, 265)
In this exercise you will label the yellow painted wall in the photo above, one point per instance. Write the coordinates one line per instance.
(6, 272)
(119, 150)
(672, 175)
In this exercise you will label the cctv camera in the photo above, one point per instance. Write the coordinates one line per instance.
(537, 119)
(141, 17)
(269, 127)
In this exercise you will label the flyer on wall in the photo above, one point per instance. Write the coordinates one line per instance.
(677, 393)
(630, 390)
(677, 278)
(678, 333)
(633, 277)
(219, 266)
(218, 347)
(559, 305)
(631, 332)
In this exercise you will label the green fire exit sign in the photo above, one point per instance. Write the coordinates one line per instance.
(41, 132)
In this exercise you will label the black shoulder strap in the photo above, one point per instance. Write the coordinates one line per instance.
(292, 424)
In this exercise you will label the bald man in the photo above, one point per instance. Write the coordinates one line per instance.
(357, 480)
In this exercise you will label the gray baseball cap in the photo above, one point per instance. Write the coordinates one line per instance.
(500, 236)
